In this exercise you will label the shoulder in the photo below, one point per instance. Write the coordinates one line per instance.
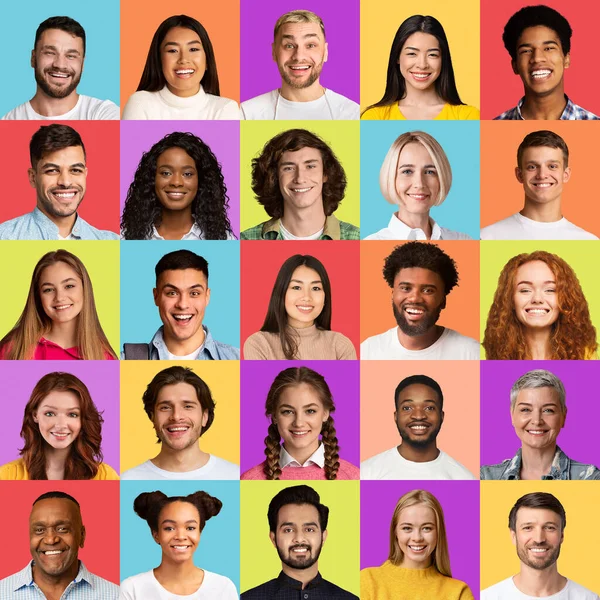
(19, 112)
(103, 587)
(137, 582)
(493, 472)
(16, 227)
(464, 112)
(344, 348)
(383, 113)
(98, 110)
(459, 469)
(373, 346)
(226, 351)
(253, 233)
(349, 231)
(582, 593)
(255, 473)
(215, 582)
(335, 592)
(367, 466)
(14, 471)
(468, 347)
(223, 469)
(581, 471)
(142, 471)
(501, 590)
(106, 472)
(264, 590)
(449, 234)
(138, 102)
(93, 233)
(345, 108)
(225, 108)
(256, 107)
(578, 232)
(257, 346)
(347, 470)
(500, 229)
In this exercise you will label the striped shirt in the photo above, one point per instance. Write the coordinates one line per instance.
(572, 112)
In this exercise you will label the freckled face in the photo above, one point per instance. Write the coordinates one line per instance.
(535, 297)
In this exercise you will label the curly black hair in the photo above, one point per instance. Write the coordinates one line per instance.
(421, 255)
(209, 208)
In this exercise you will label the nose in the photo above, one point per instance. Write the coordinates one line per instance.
(422, 62)
(182, 301)
(417, 179)
(64, 178)
(537, 55)
(176, 179)
(537, 297)
(537, 416)
(414, 296)
(50, 537)
(298, 53)
(299, 175)
(177, 413)
(418, 413)
(59, 61)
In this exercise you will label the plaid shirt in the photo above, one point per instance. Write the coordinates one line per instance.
(572, 112)
(334, 230)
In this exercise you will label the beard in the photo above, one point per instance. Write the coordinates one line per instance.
(56, 92)
(539, 565)
(413, 329)
(300, 85)
(301, 562)
(419, 442)
(58, 211)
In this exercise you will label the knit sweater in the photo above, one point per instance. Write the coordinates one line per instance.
(313, 472)
(389, 582)
(313, 344)
(16, 471)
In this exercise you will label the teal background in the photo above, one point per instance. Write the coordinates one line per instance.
(460, 141)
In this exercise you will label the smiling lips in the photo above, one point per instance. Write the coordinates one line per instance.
(420, 75)
(537, 312)
(183, 319)
(414, 313)
(184, 73)
(299, 69)
(64, 196)
(541, 74)
(417, 549)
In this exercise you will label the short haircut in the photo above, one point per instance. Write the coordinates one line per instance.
(50, 138)
(64, 24)
(546, 138)
(536, 16)
(56, 494)
(389, 169)
(541, 500)
(180, 260)
(424, 256)
(298, 16)
(297, 494)
(422, 380)
(539, 378)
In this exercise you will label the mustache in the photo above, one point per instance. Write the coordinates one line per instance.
(55, 70)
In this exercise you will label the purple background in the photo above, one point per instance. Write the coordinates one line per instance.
(20, 377)
(258, 70)
(222, 137)
(256, 378)
(498, 438)
(460, 502)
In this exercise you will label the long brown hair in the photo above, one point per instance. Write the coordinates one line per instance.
(85, 455)
(21, 341)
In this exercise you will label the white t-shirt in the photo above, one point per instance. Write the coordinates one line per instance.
(398, 230)
(86, 109)
(287, 235)
(164, 105)
(451, 345)
(215, 468)
(146, 587)
(273, 106)
(390, 465)
(507, 590)
(518, 227)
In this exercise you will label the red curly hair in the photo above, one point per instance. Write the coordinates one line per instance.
(573, 336)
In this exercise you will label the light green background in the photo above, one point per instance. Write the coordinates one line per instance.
(339, 560)
(342, 136)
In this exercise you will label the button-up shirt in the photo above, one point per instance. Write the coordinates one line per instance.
(398, 230)
(572, 112)
(334, 230)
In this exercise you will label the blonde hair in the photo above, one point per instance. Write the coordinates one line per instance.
(389, 168)
(298, 16)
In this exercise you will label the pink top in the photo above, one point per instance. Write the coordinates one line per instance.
(47, 350)
(313, 472)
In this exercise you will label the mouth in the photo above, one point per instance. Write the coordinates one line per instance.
(58, 76)
(299, 433)
(541, 74)
(420, 75)
(182, 319)
(64, 196)
(175, 195)
(176, 431)
(417, 549)
(414, 313)
(302, 190)
(51, 552)
(299, 69)
(302, 550)
(538, 551)
(61, 437)
(181, 548)
(542, 185)
(62, 307)
(536, 432)
(304, 308)
(419, 428)
(418, 197)
(537, 312)
(184, 73)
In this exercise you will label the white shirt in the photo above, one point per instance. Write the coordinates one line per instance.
(316, 458)
(164, 105)
(391, 465)
(145, 586)
(507, 590)
(273, 106)
(215, 468)
(518, 227)
(287, 235)
(398, 230)
(451, 345)
(86, 109)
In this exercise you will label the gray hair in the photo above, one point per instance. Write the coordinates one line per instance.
(539, 378)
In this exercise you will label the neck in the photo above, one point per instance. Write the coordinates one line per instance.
(313, 92)
(539, 583)
(55, 462)
(54, 586)
(304, 222)
(50, 107)
(426, 97)
(536, 462)
(420, 342)
(418, 454)
(64, 224)
(183, 93)
(543, 213)
(169, 570)
(416, 221)
(63, 334)
(185, 347)
(302, 454)
(180, 461)
(174, 224)
(303, 575)
(548, 107)
(538, 342)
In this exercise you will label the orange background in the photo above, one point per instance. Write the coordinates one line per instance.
(462, 310)
(502, 195)
(220, 19)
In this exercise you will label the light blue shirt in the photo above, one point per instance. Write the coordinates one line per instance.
(86, 586)
(37, 226)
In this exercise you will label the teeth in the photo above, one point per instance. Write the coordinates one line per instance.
(52, 552)
(540, 73)
(420, 427)
(182, 317)
(301, 190)
(300, 67)
(299, 432)
(62, 307)
(417, 548)
(64, 194)
(304, 308)
(184, 71)
(420, 75)
(181, 547)
(536, 311)
(172, 429)
(302, 550)
(542, 185)
(536, 432)
(65, 75)
(418, 196)
(414, 311)
(539, 550)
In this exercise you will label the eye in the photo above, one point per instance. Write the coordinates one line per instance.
(286, 411)
(525, 409)
(311, 45)
(410, 53)
(406, 408)
(49, 414)
(404, 288)
(310, 529)
(195, 293)
(430, 408)
(289, 46)
(317, 288)
(310, 411)
(165, 173)
(431, 172)
(550, 291)
(428, 290)
(191, 528)
(47, 290)
(38, 530)
(171, 293)
(189, 174)
(406, 528)
(428, 528)
(195, 49)
(407, 172)
(164, 407)
(550, 411)
(74, 415)
(69, 286)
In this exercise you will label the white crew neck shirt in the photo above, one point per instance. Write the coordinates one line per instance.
(215, 468)
(287, 235)
(507, 590)
(86, 109)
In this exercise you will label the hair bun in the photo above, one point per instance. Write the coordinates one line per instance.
(209, 505)
(145, 501)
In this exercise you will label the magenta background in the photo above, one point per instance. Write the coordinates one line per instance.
(258, 70)
(20, 377)
(222, 137)
(256, 378)
(460, 503)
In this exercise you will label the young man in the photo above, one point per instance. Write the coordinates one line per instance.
(421, 275)
(181, 408)
(538, 39)
(58, 174)
(537, 526)
(57, 61)
(300, 50)
(181, 295)
(419, 415)
(542, 168)
(56, 533)
(300, 182)
(298, 530)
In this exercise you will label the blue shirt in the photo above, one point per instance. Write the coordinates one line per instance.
(37, 226)
(85, 586)
(572, 112)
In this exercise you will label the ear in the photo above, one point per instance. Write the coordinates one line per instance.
(204, 419)
(519, 174)
(567, 61)
(326, 415)
(513, 64)
(32, 176)
(564, 418)
(155, 294)
(442, 418)
(82, 536)
(273, 52)
(207, 296)
(272, 538)
(444, 302)
(32, 61)
(513, 536)
(567, 175)
(155, 536)
(324, 535)
(326, 52)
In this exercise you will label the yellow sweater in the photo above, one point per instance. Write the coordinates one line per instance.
(450, 112)
(16, 471)
(389, 582)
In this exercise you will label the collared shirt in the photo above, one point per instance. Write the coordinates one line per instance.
(316, 458)
(195, 233)
(37, 226)
(86, 586)
(399, 230)
(287, 588)
(562, 468)
(572, 112)
(334, 230)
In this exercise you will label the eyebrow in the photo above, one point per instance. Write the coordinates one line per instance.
(523, 403)
(56, 524)
(174, 287)
(530, 44)
(531, 282)
(178, 44)
(432, 400)
(421, 284)
(310, 160)
(183, 401)
(46, 165)
(302, 281)
(413, 524)
(55, 408)
(289, 523)
(172, 167)
(414, 166)
(303, 406)
(535, 523)
(173, 521)
(69, 51)
(63, 281)
(418, 49)
(289, 36)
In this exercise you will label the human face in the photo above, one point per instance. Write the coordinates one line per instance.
(417, 298)
(178, 417)
(419, 417)
(298, 538)
(304, 298)
(55, 536)
(420, 60)
(182, 296)
(300, 51)
(417, 536)
(540, 60)
(536, 302)
(59, 179)
(538, 537)
(542, 173)
(61, 293)
(59, 419)
(178, 531)
(183, 61)
(176, 179)
(57, 60)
